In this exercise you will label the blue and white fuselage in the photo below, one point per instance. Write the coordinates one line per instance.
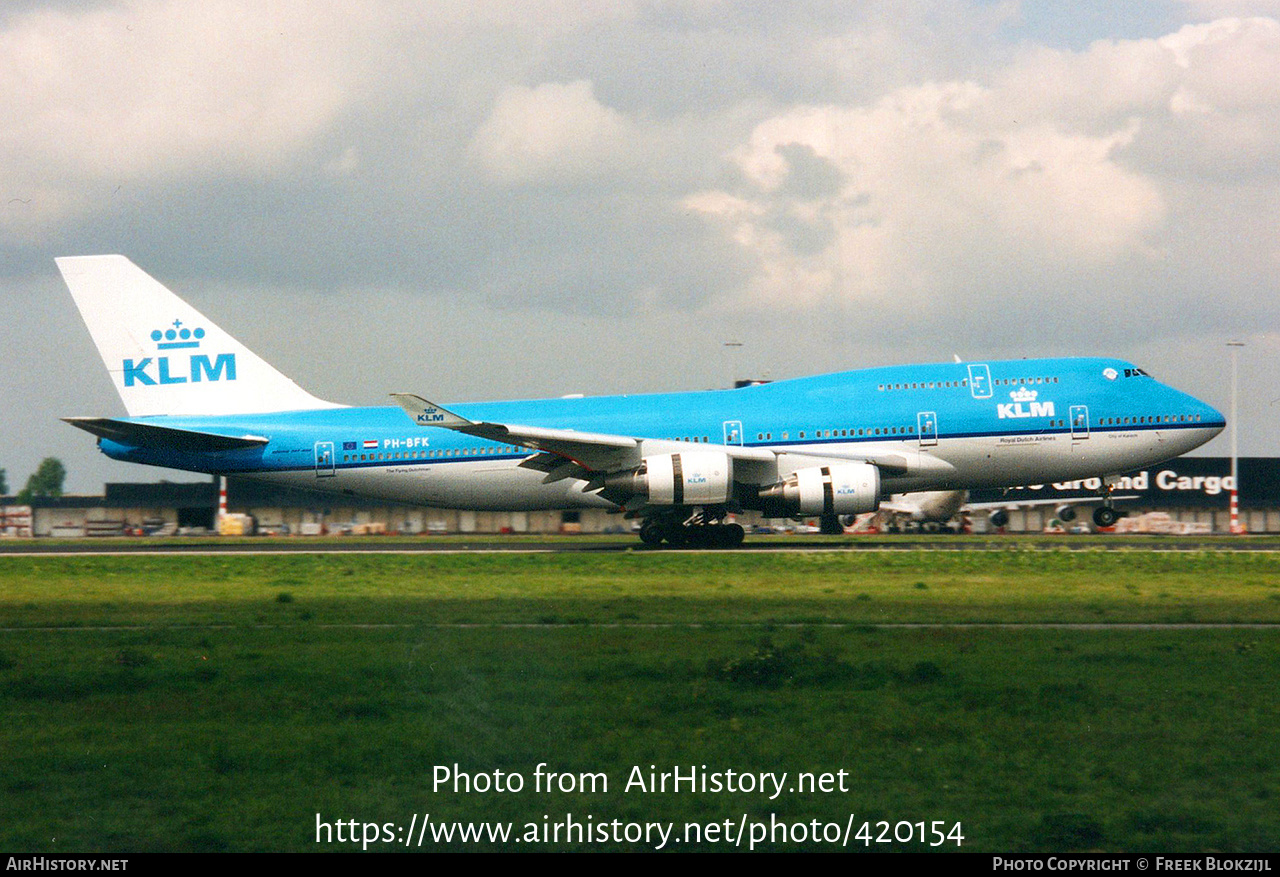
(828, 444)
(926, 417)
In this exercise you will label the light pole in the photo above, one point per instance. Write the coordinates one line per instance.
(1236, 529)
(731, 348)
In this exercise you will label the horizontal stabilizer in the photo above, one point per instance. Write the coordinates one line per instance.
(149, 435)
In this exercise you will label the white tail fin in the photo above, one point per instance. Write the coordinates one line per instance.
(163, 355)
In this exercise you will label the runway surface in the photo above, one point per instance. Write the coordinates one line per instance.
(665, 625)
(571, 545)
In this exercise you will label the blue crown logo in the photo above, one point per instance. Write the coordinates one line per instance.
(177, 337)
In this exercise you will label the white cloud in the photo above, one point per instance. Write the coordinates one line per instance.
(181, 92)
(928, 181)
(893, 180)
(150, 90)
(1061, 161)
(1225, 112)
(553, 131)
(1208, 95)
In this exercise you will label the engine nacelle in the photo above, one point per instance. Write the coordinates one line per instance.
(1066, 513)
(686, 478)
(843, 489)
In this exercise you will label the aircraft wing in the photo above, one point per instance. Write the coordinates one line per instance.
(1031, 503)
(568, 453)
(893, 504)
(592, 452)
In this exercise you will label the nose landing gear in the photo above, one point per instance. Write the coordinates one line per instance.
(1105, 516)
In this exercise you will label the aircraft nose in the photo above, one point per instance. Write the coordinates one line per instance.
(1212, 422)
(1214, 418)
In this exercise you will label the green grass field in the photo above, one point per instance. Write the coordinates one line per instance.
(222, 702)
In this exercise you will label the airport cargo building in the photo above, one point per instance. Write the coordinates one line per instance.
(1193, 490)
(1190, 490)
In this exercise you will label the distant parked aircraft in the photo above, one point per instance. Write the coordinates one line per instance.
(939, 509)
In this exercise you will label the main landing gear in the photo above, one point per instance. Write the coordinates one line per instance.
(698, 531)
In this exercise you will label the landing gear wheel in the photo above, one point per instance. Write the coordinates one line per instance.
(829, 525)
(676, 535)
(651, 533)
(697, 535)
(1105, 516)
(731, 535)
(716, 536)
(700, 536)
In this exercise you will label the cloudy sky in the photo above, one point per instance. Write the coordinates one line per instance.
(508, 200)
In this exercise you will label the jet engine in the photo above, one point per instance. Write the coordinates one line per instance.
(843, 489)
(1065, 513)
(686, 478)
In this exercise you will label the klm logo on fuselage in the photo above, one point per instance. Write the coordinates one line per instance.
(1024, 404)
(197, 367)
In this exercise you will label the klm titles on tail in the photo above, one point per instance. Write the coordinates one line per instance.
(223, 366)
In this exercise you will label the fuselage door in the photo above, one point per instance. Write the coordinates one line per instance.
(1079, 422)
(733, 432)
(979, 380)
(324, 459)
(927, 423)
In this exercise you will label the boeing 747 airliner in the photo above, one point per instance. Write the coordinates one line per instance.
(825, 446)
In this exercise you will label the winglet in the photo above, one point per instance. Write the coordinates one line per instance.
(426, 413)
